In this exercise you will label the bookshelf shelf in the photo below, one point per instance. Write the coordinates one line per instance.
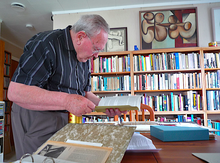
(212, 89)
(168, 71)
(212, 69)
(110, 92)
(168, 90)
(173, 112)
(213, 112)
(96, 113)
(110, 73)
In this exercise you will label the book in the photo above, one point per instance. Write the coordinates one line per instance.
(111, 136)
(123, 103)
(91, 143)
(179, 133)
(72, 152)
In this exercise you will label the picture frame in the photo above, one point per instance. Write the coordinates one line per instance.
(171, 28)
(215, 12)
(117, 40)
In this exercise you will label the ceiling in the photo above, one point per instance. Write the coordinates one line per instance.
(39, 13)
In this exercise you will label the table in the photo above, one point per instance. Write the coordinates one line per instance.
(173, 152)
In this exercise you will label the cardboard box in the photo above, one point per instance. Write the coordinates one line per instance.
(179, 133)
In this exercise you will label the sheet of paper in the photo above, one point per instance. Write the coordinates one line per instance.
(208, 157)
(84, 143)
(141, 143)
(139, 128)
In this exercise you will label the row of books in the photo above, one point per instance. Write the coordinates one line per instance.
(1, 128)
(213, 79)
(6, 70)
(7, 128)
(158, 61)
(95, 119)
(190, 101)
(6, 81)
(211, 60)
(167, 81)
(102, 83)
(181, 118)
(166, 61)
(1, 110)
(7, 58)
(213, 100)
(110, 64)
(214, 124)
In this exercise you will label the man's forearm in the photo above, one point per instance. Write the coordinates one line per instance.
(35, 98)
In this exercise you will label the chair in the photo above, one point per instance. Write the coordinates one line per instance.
(143, 108)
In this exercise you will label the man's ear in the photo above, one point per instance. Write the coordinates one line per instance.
(80, 35)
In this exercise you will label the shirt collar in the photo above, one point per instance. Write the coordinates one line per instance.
(69, 43)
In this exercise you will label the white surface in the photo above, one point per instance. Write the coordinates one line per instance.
(140, 143)
(84, 143)
(208, 157)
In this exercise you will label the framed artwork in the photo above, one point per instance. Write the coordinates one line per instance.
(216, 24)
(168, 28)
(117, 40)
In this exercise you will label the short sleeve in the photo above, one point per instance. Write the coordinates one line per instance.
(35, 66)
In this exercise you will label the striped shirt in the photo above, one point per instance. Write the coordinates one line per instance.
(49, 61)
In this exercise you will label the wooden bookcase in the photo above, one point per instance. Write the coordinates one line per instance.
(5, 63)
(200, 72)
(2, 48)
(7, 79)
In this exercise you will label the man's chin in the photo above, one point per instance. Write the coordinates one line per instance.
(82, 60)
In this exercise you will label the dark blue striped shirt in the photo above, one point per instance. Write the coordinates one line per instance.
(49, 61)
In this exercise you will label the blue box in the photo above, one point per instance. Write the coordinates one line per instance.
(179, 133)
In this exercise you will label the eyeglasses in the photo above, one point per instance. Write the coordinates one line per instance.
(95, 49)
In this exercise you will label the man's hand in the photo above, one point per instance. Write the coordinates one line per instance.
(112, 112)
(79, 105)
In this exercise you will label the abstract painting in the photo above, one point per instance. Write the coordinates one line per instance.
(168, 28)
(117, 40)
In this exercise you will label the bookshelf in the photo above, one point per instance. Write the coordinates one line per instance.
(5, 63)
(2, 121)
(2, 116)
(174, 73)
(7, 78)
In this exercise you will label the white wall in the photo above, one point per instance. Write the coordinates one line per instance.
(130, 18)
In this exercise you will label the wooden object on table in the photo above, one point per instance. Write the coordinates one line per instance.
(180, 152)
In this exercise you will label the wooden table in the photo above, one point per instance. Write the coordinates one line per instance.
(173, 152)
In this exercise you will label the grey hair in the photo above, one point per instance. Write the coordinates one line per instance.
(91, 25)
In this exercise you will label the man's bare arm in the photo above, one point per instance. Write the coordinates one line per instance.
(35, 98)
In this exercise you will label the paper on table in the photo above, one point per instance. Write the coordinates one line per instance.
(84, 143)
(208, 157)
(141, 143)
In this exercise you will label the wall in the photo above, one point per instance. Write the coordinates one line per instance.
(130, 18)
(15, 51)
(10, 47)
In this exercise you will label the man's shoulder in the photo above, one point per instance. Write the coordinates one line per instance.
(50, 34)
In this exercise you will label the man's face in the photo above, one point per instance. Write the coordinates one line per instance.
(92, 46)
